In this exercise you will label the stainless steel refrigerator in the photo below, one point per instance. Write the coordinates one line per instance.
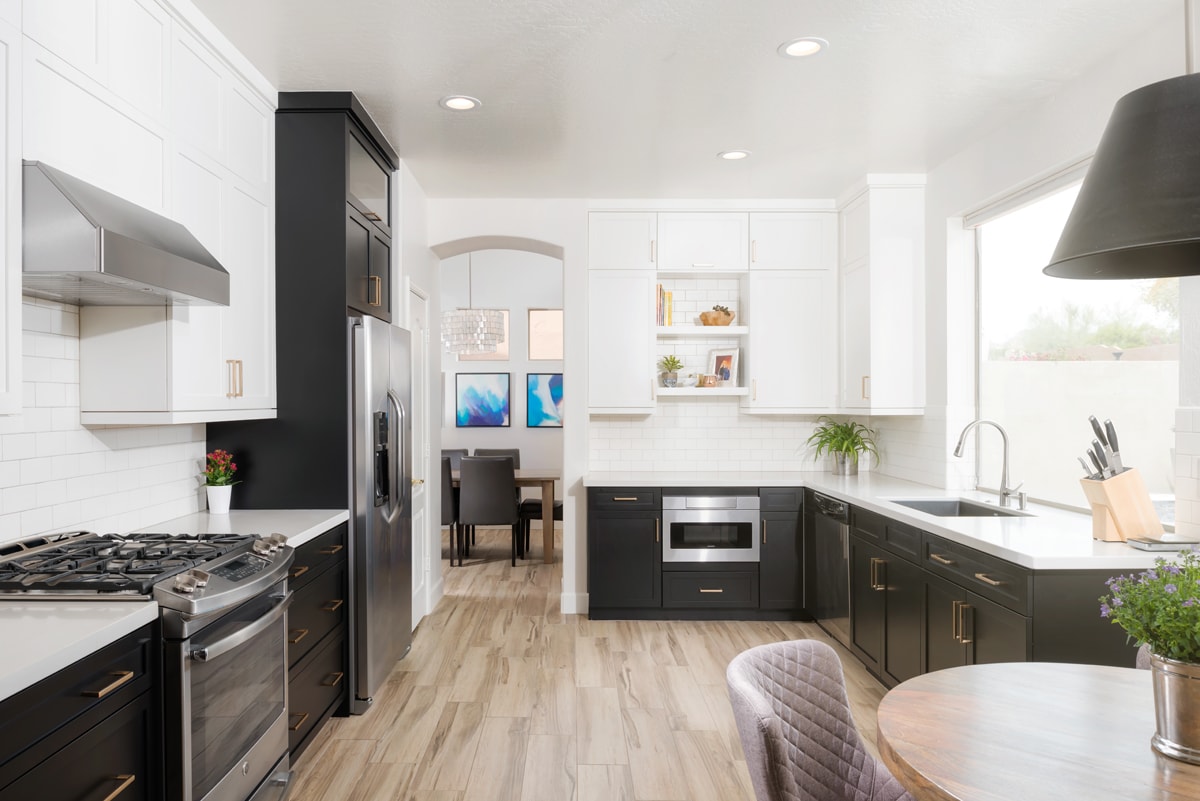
(380, 504)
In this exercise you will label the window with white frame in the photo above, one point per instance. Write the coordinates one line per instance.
(1054, 351)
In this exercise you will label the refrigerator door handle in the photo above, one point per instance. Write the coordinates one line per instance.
(398, 491)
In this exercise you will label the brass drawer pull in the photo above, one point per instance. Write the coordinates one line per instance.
(376, 290)
(657, 530)
(125, 779)
(370, 215)
(634, 498)
(764, 530)
(123, 677)
(334, 679)
(963, 636)
(296, 635)
(988, 580)
(297, 572)
(876, 583)
(303, 717)
(954, 620)
(331, 550)
(941, 560)
(333, 606)
(704, 590)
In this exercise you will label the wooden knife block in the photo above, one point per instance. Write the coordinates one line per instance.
(1121, 507)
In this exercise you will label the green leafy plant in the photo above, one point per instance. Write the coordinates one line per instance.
(670, 364)
(219, 469)
(722, 309)
(850, 438)
(1160, 606)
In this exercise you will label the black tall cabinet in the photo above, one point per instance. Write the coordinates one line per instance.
(333, 239)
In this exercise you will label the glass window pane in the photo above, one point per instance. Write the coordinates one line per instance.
(1054, 351)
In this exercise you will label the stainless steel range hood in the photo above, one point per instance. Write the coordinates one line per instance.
(85, 246)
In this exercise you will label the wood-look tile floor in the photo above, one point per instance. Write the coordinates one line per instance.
(504, 698)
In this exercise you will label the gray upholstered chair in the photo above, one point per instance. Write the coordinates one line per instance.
(515, 453)
(450, 511)
(488, 496)
(789, 701)
(455, 456)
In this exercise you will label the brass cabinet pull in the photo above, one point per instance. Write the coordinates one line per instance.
(941, 560)
(296, 635)
(964, 620)
(876, 584)
(764, 529)
(954, 620)
(753, 250)
(333, 606)
(303, 717)
(125, 779)
(657, 530)
(370, 215)
(866, 387)
(754, 389)
(241, 376)
(330, 550)
(377, 289)
(232, 392)
(297, 572)
(653, 250)
(333, 679)
(123, 677)
(634, 498)
(704, 590)
(988, 580)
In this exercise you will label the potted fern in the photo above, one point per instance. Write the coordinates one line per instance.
(845, 442)
(670, 366)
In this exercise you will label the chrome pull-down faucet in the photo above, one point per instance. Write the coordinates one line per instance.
(1006, 491)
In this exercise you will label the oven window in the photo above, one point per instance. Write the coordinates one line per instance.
(725, 535)
(235, 698)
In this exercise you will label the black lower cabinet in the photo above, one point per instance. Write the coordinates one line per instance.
(781, 557)
(624, 549)
(710, 586)
(962, 628)
(886, 617)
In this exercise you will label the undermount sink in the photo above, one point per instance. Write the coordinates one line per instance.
(959, 507)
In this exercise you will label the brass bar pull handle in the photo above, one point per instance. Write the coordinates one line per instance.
(125, 779)
(966, 633)
(717, 590)
(241, 373)
(333, 606)
(297, 572)
(754, 389)
(331, 550)
(753, 250)
(625, 499)
(657, 530)
(871, 572)
(866, 387)
(296, 635)
(303, 717)
(764, 528)
(954, 620)
(653, 250)
(333, 680)
(376, 289)
(941, 560)
(988, 580)
(232, 391)
(370, 215)
(878, 584)
(123, 677)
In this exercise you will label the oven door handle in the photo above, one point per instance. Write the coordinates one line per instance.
(206, 653)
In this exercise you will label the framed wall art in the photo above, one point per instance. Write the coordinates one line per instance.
(481, 400)
(545, 334)
(544, 400)
(723, 363)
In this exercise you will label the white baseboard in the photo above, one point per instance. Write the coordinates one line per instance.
(573, 603)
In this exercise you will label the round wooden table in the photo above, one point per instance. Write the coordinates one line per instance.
(1026, 731)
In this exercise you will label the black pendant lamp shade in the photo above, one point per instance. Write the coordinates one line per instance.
(1138, 212)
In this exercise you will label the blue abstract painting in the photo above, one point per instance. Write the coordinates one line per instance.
(481, 400)
(544, 400)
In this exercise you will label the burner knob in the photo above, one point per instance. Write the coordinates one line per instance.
(185, 583)
(277, 540)
(262, 547)
(201, 577)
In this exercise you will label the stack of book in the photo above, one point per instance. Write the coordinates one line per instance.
(663, 308)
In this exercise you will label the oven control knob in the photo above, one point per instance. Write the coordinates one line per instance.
(201, 576)
(262, 547)
(185, 583)
(277, 540)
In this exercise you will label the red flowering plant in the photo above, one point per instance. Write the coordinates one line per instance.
(1160, 606)
(219, 469)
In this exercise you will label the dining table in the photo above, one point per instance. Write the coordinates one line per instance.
(1032, 731)
(543, 477)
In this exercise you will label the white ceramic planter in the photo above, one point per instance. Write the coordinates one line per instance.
(218, 498)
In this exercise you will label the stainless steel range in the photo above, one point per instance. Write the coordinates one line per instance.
(223, 601)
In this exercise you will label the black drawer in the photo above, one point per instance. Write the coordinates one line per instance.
(867, 524)
(995, 579)
(689, 589)
(903, 539)
(314, 689)
(317, 608)
(110, 757)
(624, 498)
(317, 554)
(780, 499)
(39, 720)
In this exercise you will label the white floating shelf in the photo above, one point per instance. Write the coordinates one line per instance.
(699, 273)
(702, 331)
(707, 392)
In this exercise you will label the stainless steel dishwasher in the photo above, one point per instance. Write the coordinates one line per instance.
(827, 564)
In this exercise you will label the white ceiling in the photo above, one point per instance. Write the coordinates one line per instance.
(634, 98)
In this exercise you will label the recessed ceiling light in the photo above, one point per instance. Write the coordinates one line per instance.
(459, 103)
(804, 46)
(733, 155)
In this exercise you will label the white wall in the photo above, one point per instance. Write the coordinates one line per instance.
(56, 475)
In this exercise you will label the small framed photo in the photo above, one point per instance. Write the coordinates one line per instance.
(481, 400)
(723, 363)
(545, 334)
(544, 400)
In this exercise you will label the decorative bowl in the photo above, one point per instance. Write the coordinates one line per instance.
(716, 318)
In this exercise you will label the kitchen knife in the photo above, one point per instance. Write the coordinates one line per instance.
(1099, 431)
(1096, 461)
(1087, 471)
(1107, 449)
(1098, 450)
(1114, 454)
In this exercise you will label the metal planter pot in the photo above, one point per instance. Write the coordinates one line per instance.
(1176, 708)
(844, 464)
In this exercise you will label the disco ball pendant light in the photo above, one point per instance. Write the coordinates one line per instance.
(471, 330)
(1137, 214)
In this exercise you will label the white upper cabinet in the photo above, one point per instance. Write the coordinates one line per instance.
(697, 241)
(882, 297)
(620, 342)
(793, 240)
(11, 389)
(620, 240)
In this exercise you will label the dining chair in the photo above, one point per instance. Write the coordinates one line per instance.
(794, 721)
(455, 456)
(487, 496)
(515, 453)
(450, 512)
(530, 510)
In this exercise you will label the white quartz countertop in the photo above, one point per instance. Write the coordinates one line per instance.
(298, 525)
(1049, 539)
(43, 637)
